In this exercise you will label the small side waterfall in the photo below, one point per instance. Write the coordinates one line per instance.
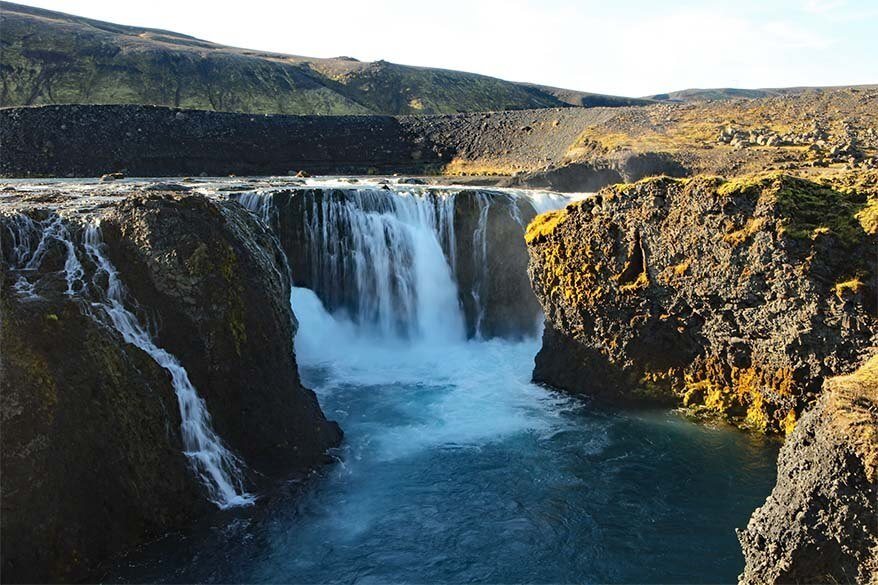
(218, 468)
(103, 297)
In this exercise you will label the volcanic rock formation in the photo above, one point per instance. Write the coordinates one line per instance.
(733, 297)
(820, 523)
(147, 368)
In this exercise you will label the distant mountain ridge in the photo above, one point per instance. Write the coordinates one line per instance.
(49, 57)
(696, 94)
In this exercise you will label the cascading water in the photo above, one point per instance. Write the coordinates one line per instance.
(218, 468)
(405, 260)
(389, 247)
(480, 258)
(103, 297)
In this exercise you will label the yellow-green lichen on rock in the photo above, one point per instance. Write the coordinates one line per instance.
(868, 216)
(726, 292)
(544, 224)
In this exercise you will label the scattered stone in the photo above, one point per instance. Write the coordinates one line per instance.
(167, 187)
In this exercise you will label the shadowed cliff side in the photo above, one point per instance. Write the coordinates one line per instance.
(730, 297)
(820, 523)
(93, 455)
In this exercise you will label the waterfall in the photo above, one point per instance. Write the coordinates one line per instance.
(383, 255)
(480, 259)
(258, 203)
(30, 244)
(217, 468)
(407, 261)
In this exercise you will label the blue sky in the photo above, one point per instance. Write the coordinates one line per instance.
(626, 47)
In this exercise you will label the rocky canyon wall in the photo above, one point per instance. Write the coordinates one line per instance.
(132, 397)
(732, 297)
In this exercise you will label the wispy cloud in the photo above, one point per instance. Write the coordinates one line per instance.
(841, 11)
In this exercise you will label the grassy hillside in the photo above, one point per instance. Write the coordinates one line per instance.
(53, 58)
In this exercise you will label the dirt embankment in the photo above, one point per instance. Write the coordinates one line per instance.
(568, 149)
(156, 141)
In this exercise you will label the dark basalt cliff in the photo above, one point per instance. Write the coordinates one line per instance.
(735, 298)
(494, 287)
(820, 524)
(92, 452)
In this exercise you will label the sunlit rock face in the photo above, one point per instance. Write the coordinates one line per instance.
(736, 298)
(819, 523)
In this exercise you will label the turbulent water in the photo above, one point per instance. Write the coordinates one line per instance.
(455, 468)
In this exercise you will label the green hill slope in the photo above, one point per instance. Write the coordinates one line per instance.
(54, 58)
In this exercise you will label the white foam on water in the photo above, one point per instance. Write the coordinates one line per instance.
(460, 393)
